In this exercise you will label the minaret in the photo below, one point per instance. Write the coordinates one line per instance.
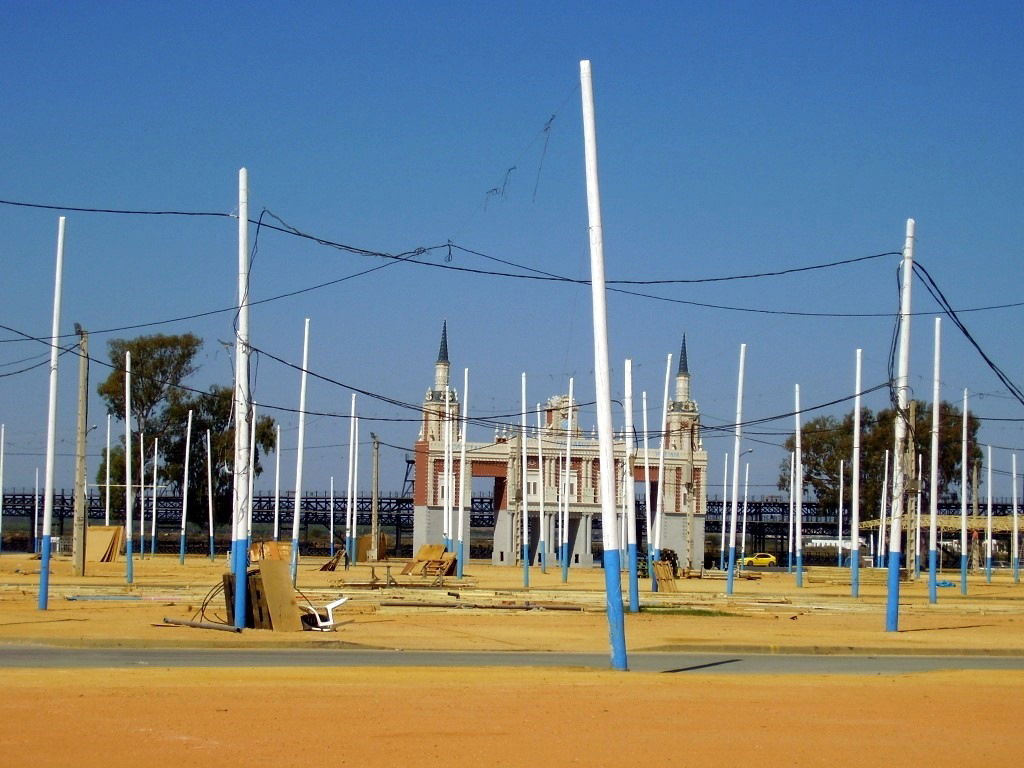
(433, 403)
(442, 365)
(683, 376)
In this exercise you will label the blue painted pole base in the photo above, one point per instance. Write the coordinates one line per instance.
(634, 580)
(565, 561)
(181, 549)
(963, 574)
(988, 569)
(213, 553)
(799, 568)
(789, 562)
(655, 558)
(892, 605)
(44, 574)
(855, 573)
(731, 573)
(459, 561)
(129, 562)
(239, 556)
(933, 587)
(295, 562)
(152, 546)
(543, 557)
(616, 620)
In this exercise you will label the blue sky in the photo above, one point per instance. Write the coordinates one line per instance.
(733, 137)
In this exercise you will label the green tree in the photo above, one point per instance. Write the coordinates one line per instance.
(827, 439)
(160, 406)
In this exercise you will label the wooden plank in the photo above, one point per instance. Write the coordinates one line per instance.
(280, 596)
(98, 542)
(261, 618)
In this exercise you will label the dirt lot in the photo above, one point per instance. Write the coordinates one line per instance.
(490, 716)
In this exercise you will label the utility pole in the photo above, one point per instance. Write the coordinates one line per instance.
(81, 512)
(374, 554)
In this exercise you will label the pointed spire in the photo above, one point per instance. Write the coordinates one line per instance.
(683, 367)
(442, 355)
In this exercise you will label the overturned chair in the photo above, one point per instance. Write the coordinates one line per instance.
(321, 622)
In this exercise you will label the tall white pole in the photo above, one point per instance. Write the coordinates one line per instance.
(902, 414)
(737, 437)
(242, 502)
(152, 522)
(798, 515)
(142, 494)
(839, 513)
(106, 505)
(277, 482)
(855, 489)
(465, 479)
(725, 509)
(35, 516)
(525, 507)
(51, 423)
(567, 489)
(184, 487)
(988, 515)
(647, 485)
(297, 501)
(331, 513)
(933, 490)
(129, 575)
(630, 460)
(917, 517)
(542, 521)
(963, 500)
(602, 380)
(1015, 545)
(792, 505)
(661, 467)
(446, 468)
(743, 537)
(355, 497)
(209, 490)
(349, 499)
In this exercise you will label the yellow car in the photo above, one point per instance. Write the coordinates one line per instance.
(761, 558)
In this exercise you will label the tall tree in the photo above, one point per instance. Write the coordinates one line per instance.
(160, 364)
(827, 439)
(160, 406)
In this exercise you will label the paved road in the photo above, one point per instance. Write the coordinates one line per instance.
(679, 663)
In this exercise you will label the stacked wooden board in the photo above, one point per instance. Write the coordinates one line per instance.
(431, 560)
(103, 543)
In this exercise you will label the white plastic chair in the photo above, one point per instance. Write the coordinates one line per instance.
(322, 624)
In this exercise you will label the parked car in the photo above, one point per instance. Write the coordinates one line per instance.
(761, 558)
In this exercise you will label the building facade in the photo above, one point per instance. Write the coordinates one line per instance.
(551, 490)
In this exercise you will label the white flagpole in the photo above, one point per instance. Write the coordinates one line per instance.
(355, 497)
(525, 507)
(736, 471)
(351, 465)
(855, 489)
(934, 469)
(1015, 545)
(602, 380)
(792, 506)
(209, 490)
(661, 468)
(541, 518)
(798, 516)
(106, 506)
(184, 488)
(465, 479)
(331, 508)
(152, 522)
(277, 482)
(988, 516)
(630, 460)
(297, 501)
(963, 500)
(567, 489)
(51, 423)
(647, 487)
(129, 576)
(882, 516)
(839, 513)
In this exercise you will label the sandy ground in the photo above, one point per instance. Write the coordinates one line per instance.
(364, 716)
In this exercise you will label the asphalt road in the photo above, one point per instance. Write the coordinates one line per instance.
(23, 657)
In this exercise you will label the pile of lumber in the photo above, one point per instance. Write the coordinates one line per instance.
(103, 543)
(665, 577)
(270, 598)
(431, 560)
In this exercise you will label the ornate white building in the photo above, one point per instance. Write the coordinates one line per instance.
(683, 496)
